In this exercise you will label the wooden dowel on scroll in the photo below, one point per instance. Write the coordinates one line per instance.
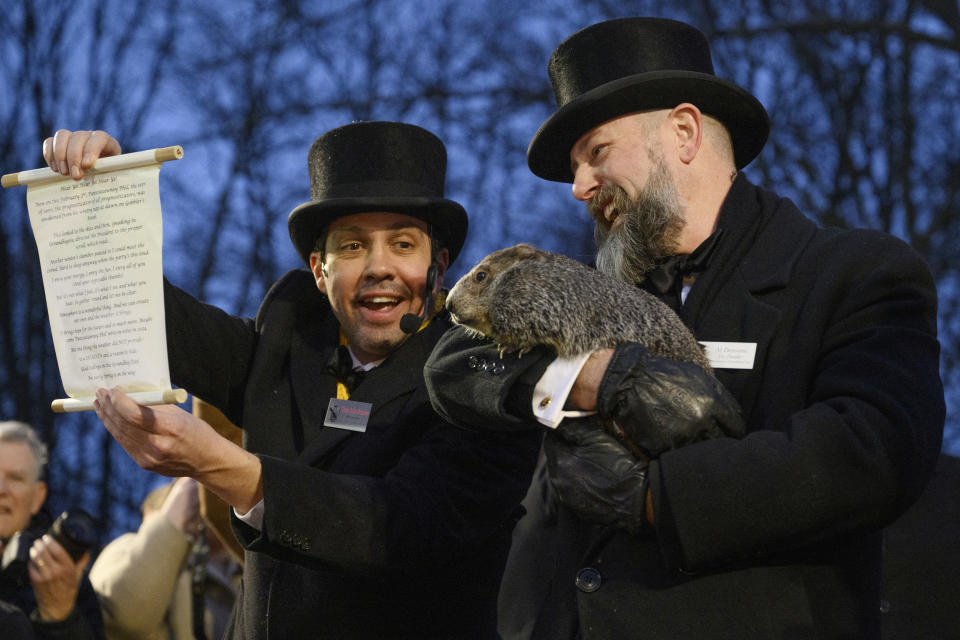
(113, 163)
(168, 153)
(144, 398)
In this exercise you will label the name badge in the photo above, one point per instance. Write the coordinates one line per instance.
(730, 355)
(347, 414)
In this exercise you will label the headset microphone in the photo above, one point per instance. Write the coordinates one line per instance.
(410, 323)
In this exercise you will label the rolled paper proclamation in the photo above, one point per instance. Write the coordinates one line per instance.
(99, 240)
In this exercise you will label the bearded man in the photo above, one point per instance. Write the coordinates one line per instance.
(827, 338)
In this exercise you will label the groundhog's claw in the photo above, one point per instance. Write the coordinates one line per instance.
(509, 348)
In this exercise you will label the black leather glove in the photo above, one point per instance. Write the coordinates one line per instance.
(657, 404)
(595, 476)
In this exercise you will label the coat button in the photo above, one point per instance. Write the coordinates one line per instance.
(588, 580)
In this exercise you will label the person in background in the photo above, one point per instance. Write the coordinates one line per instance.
(47, 585)
(151, 582)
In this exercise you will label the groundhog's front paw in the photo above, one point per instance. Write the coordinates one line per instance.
(510, 348)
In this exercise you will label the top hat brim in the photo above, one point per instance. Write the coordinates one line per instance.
(745, 118)
(448, 220)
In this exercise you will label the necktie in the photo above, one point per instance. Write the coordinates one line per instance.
(341, 368)
(666, 280)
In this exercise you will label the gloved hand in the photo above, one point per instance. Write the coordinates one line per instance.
(595, 476)
(657, 404)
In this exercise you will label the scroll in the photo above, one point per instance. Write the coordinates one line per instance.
(99, 241)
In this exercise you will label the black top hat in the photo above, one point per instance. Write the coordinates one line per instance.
(622, 66)
(377, 166)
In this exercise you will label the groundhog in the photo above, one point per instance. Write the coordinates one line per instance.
(521, 297)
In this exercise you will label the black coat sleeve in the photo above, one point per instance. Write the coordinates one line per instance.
(449, 494)
(210, 351)
(472, 385)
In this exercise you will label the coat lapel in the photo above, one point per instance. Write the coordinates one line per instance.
(311, 347)
(727, 302)
(398, 374)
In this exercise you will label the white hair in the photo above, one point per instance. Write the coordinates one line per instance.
(14, 431)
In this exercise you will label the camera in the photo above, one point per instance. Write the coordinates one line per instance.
(75, 530)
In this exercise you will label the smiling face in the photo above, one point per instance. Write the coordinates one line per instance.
(622, 176)
(374, 270)
(21, 491)
(616, 152)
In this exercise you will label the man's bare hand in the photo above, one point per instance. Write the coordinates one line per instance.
(167, 440)
(164, 439)
(55, 578)
(583, 395)
(71, 153)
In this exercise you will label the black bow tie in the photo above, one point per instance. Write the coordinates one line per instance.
(340, 367)
(666, 279)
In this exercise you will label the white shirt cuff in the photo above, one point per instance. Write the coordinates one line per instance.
(253, 518)
(552, 390)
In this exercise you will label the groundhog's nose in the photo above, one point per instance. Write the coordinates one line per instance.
(451, 306)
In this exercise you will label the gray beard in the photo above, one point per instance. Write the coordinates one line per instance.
(649, 231)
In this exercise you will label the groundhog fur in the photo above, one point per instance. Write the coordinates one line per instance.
(521, 297)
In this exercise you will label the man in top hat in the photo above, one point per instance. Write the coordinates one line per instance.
(363, 513)
(827, 338)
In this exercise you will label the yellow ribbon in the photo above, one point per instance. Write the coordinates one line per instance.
(342, 393)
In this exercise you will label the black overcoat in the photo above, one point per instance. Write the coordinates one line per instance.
(397, 532)
(775, 535)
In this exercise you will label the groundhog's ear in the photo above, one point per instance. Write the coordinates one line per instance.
(523, 251)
